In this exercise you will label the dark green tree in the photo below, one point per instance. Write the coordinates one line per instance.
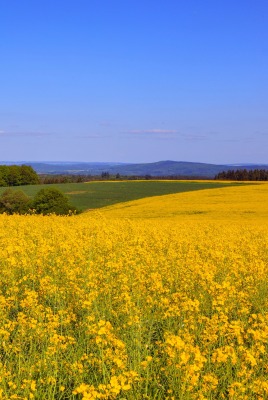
(3, 175)
(14, 175)
(14, 201)
(244, 175)
(105, 175)
(28, 175)
(52, 200)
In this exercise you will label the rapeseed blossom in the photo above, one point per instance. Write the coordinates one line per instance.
(138, 301)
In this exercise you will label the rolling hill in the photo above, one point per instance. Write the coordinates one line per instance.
(161, 168)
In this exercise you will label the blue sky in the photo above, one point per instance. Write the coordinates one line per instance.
(134, 80)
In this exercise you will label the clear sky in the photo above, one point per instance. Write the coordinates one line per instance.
(134, 80)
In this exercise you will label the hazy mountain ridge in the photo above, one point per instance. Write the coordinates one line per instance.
(160, 168)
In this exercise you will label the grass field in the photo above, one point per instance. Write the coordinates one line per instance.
(159, 298)
(100, 194)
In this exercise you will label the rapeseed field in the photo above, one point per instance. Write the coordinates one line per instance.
(160, 298)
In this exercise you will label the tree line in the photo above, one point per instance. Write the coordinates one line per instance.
(16, 175)
(243, 175)
(106, 176)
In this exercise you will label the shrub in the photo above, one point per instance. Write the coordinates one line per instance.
(14, 201)
(52, 200)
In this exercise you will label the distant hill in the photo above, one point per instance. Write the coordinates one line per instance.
(58, 167)
(161, 168)
(165, 168)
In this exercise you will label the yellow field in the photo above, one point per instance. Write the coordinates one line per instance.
(160, 298)
(241, 203)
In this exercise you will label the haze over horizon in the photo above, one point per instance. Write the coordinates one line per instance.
(73, 162)
(134, 82)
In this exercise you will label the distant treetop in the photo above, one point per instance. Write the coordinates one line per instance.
(243, 175)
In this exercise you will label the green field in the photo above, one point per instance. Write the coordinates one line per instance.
(100, 194)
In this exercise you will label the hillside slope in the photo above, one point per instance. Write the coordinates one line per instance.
(247, 202)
